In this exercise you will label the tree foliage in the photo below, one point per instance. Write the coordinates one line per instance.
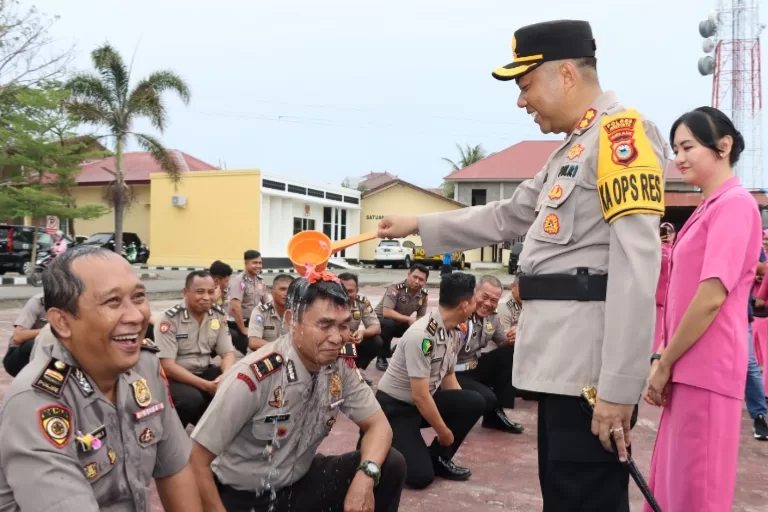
(468, 155)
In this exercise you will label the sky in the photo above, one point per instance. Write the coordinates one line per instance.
(326, 90)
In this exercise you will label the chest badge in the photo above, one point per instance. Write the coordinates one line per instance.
(147, 436)
(488, 327)
(575, 152)
(335, 386)
(112, 455)
(556, 192)
(551, 224)
(141, 393)
(356, 315)
(215, 324)
(91, 470)
(278, 402)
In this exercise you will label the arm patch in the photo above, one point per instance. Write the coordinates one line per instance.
(629, 177)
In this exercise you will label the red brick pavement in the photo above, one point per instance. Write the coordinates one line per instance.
(504, 466)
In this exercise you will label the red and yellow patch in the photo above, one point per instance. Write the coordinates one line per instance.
(587, 119)
(164, 327)
(552, 224)
(56, 424)
(575, 152)
(556, 192)
(282, 431)
(91, 470)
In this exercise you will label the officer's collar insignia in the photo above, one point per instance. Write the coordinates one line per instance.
(401, 286)
(149, 411)
(141, 392)
(427, 346)
(148, 344)
(511, 303)
(266, 366)
(432, 326)
(53, 377)
(425, 291)
(291, 371)
(267, 307)
(56, 423)
(575, 152)
(278, 402)
(175, 309)
(441, 334)
(82, 382)
(185, 313)
(218, 309)
(588, 118)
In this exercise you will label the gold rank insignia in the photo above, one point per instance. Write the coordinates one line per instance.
(267, 366)
(141, 392)
(586, 121)
(56, 424)
(432, 326)
(91, 470)
(112, 455)
(335, 386)
(215, 324)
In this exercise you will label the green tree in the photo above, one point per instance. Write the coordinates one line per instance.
(107, 100)
(468, 155)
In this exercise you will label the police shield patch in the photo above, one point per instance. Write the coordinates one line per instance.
(56, 424)
(427, 346)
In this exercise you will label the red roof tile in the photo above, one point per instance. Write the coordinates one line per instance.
(136, 168)
(521, 162)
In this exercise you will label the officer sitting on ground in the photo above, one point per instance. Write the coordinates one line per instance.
(245, 292)
(26, 327)
(510, 307)
(396, 308)
(368, 340)
(221, 273)
(408, 392)
(266, 321)
(277, 405)
(481, 371)
(105, 423)
(189, 336)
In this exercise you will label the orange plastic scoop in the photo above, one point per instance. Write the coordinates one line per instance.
(315, 248)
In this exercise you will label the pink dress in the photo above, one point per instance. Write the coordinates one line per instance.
(697, 446)
(661, 294)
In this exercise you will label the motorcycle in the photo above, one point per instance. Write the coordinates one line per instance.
(135, 254)
(44, 259)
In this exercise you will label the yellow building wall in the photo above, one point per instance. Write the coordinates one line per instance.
(220, 220)
(135, 219)
(400, 200)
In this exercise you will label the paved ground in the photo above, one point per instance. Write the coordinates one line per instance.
(504, 466)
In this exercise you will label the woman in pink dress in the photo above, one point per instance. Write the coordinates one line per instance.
(700, 373)
(667, 232)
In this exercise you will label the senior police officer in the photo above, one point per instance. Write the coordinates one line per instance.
(590, 263)
(26, 327)
(88, 426)
(368, 339)
(279, 403)
(245, 292)
(395, 310)
(266, 322)
(419, 389)
(480, 371)
(189, 335)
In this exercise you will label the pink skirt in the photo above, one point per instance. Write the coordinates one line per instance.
(659, 333)
(696, 453)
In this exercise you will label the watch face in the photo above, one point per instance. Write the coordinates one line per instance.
(373, 468)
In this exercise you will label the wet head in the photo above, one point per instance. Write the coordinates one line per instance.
(487, 295)
(199, 290)
(98, 308)
(417, 277)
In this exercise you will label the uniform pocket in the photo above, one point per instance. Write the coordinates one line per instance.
(97, 463)
(148, 434)
(554, 223)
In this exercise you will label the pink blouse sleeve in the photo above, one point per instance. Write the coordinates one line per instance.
(729, 232)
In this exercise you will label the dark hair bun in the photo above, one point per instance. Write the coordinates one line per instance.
(708, 125)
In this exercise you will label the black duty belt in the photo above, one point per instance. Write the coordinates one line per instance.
(582, 286)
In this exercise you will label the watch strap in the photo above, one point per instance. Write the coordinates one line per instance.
(376, 476)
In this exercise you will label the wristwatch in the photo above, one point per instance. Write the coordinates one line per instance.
(371, 469)
(655, 357)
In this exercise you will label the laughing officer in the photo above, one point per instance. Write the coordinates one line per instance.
(590, 263)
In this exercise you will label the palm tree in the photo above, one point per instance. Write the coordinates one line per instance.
(469, 155)
(106, 99)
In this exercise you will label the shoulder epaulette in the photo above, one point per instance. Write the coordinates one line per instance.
(266, 366)
(265, 307)
(174, 310)
(511, 303)
(53, 377)
(425, 291)
(217, 308)
(148, 344)
(432, 326)
(400, 286)
(348, 350)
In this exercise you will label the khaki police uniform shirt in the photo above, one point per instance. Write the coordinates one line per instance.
(32, 316)
(426, 350)
(399, 298)
(250, 291)
(509, 311)
(266, 323)
(192, 345)
(52, 402)
(596, 204)
(362, 313)
(485, 330)
(270, 415)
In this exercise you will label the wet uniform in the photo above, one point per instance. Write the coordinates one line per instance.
(265, 425)
(31, 317)
(399, 298)
(362, 313)
(265, 323)
(46, 464)
(250, 291)
(193, 346)
(426, 350)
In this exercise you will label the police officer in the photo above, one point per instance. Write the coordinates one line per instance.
(277, 405)
(221, 273)
(396, 308)
(368, 339)
(408, 392)
(88, 426)
(246, 291)
(266, 322)
(26, 327)
(590, 263)
(480, 371)
(189, 335)
(509, 309)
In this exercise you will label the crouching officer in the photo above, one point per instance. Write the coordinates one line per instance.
(278, 404)
(408, 392)
(368, 340)
(396, 308)
(189, 335)
(266, 322)
(88, 426)
(480, 371)
(26, 327)
(245, 292)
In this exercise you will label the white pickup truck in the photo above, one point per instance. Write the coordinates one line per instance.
(394, 252)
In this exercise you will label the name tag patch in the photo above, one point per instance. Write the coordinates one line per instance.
(149, 411)
(277, 418)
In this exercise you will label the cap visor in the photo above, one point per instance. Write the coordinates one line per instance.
(514, 70)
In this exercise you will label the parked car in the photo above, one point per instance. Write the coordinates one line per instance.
(133, 250)
(436, 261)
(398, 253)
(16, 246)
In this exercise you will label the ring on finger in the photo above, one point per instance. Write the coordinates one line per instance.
(617, 429)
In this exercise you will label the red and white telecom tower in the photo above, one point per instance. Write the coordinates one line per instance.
(732, 36)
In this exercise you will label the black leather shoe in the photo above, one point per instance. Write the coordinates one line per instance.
(382, 364)
(445, 468)
(500, 422)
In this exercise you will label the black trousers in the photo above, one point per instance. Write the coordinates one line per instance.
(367, 350)
(492, 378)
(575, 472)
(460, 409)
(239, 340)
(323, 488)
(191, 402)
(17, 357)
(390, 329)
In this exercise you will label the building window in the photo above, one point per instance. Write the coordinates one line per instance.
(274, 185)
(479, 197)
(315, 193)
(335, 225)
(297, 190)
(300, 224)
(327, 222)
(332, 196)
